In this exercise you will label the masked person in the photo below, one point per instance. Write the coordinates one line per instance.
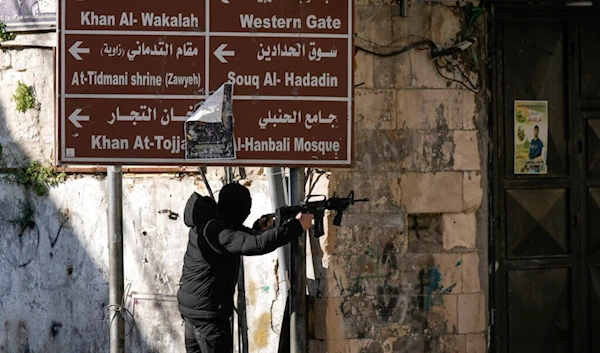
(211, 263)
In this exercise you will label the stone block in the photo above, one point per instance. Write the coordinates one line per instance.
(425, 233)
(374, 23)
(424, 73)
(439, 23)
(382, 190)
(344, 346)
(389, 284)
(476, 343)
(392, 275)
(460, 230)
(375, 109)
(450, 268)
(471, 313)
(379, 2)
(419, 19)
(363, 73)
(406, 344)
(391, 71)
(469, 120)
(430, 151)
(363, 267)
(429, 109)
(358, 314)
(466, 151)
(401, 31)
(5, 59)
(29, 59)
(379, 150)
(453, 344)
(33, 130)
(445, 24)
(407, 315)
(447, 315)
(432, 193)
(470, 273)
(328, 318)
(472, 191)
(368, 233)
(330, 276)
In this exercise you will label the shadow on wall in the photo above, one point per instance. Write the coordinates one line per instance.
(54, 248)
(154, 244)
(53, 294)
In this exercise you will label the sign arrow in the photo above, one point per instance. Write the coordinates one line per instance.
(221, 53)
(75, 50)
(75, 118)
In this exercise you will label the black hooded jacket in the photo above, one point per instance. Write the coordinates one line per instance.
(211, 263)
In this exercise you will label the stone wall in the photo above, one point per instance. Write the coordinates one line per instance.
(407, 271)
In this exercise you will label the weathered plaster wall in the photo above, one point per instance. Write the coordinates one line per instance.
(407, 271)
(54, 289)
(54, 274)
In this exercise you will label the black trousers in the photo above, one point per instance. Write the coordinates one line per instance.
(208, 336)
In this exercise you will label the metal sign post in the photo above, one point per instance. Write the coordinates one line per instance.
(298, 324)
(116, 281)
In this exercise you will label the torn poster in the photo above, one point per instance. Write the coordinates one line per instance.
(209, 130)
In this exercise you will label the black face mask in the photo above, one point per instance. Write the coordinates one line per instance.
(235, 203)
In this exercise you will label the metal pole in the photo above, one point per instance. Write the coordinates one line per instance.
(116, 282)
(203, 174)
(277, 200)
(297, 272)
(228, 175)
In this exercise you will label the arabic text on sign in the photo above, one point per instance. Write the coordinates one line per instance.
(296, 117)
(315, 54)
(142, 49)
(146, 113)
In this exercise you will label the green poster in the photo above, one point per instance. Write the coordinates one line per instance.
(531, 137)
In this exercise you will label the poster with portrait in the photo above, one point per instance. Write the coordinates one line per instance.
(209, 130)
(28, 15)
(531, 137)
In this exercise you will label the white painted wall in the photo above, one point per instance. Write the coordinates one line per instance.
(54, 276)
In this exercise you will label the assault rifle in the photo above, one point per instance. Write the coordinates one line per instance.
(317, 208)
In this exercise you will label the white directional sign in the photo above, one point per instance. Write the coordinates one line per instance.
(76, 49)
(221, 53)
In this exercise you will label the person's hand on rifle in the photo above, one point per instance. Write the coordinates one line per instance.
(305, 220)
(265, 222)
